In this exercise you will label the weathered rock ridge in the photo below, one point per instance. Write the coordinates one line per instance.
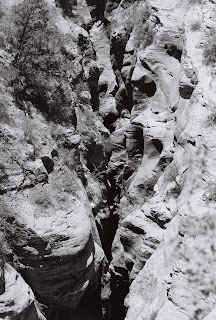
(107, 173)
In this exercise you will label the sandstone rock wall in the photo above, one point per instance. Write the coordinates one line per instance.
(18, 300)
(46, 211)
(175, 123)
(130, 179)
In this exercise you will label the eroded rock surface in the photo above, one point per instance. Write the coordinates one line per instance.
(107, 178)
(18, 301)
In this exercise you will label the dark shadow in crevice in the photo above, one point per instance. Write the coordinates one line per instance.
(48, 164)
(146, 85)
(119, 289)
(67, 6)
(146, 66)
(174, 52)
(98, 8)
(158, 145)
(94, 75)
(107, 233)
(109, 121)
(186, 91)
(134, 140)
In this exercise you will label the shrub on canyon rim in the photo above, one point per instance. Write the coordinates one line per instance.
(41, 197)
(195, 1)
(209, 50)
(6, 217)
(79, 88)
(4, 116)
(41, 65)
(211, 119)
(195, 25)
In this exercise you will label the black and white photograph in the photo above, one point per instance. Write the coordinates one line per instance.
(107, 159)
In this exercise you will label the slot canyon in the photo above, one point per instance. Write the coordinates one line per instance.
(108, 160)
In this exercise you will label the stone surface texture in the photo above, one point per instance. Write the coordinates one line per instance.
(119, 205)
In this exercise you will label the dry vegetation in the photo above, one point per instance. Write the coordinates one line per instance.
(194, 2)
(209, 49)
(195, 26)
(39, 71)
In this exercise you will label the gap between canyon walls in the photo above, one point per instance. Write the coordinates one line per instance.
(107, 175)
(125, 90)
(94, 178)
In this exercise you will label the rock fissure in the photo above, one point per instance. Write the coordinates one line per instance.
(107, 173)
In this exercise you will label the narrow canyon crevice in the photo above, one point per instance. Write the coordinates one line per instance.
(107, 192)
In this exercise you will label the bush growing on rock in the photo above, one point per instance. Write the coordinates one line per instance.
(40, 62)
(211, 119)
(3, 173)
(108, 145)
(5, 217)
(174, 192)
(81, 87)
(191, 2)
(4, 116)
(195, 26)
(210, 196)
(209, 50)
(41, 198)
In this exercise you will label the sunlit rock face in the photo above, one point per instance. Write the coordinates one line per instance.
(171, 84)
